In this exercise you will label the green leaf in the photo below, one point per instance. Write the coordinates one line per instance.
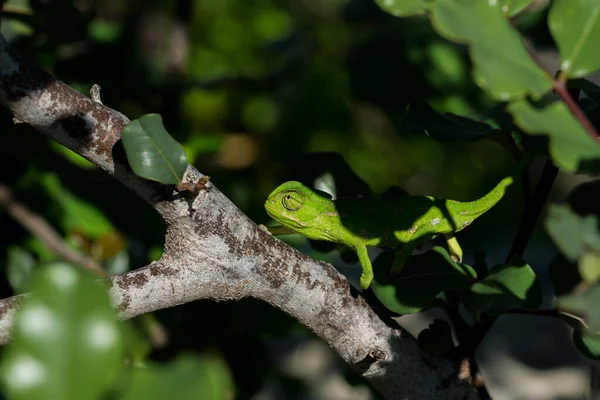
(437, 338)
(573, 235)
(260, 114)
(151, 152)
(77, 214)
(587, 342)
(589, 267)
(571, 148)
(422, 279)
(188, 378)
(20, 266)
(513, 7)
(584, 305)
(502, 65)
(403, 8)
(507, 286)
(447, 127)
(272, 24)
(67, 342)
(575, 26)
(70, 155)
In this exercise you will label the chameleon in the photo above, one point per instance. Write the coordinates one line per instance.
(395, 221)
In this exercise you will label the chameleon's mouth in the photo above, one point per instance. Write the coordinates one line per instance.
(270, 208)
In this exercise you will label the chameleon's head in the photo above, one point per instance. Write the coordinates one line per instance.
(295, 206)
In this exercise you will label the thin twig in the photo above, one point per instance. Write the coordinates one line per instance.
(560, 87)
(533, 210)
(553, 312)
(38, 227)
(41, 229)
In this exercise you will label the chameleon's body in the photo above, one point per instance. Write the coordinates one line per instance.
(389, 221)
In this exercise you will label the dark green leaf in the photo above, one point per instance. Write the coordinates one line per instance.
(587, 342)
(575, 26)
(437, 338)
(77, 214)
(67, 341)
(188, 378)
(422, 118)
(512, 285)
(403, 8)
(573, 235)
(502, 64)
(584, 305)
(422, 279)
(151, 152)
(571, 148)
(20, 266)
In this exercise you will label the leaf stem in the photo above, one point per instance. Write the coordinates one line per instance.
(560, 87)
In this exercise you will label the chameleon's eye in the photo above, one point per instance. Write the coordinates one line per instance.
(292, 200)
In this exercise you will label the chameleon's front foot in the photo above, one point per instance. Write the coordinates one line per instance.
(454, 248)
(264, 229)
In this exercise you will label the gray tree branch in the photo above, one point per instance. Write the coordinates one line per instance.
(214, 251)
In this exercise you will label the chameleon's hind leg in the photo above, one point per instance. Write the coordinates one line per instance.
(401, 257)
(454, 248)
(367, 268)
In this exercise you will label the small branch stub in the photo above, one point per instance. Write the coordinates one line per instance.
(203, 183)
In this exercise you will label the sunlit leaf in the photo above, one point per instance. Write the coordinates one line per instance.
(572, 234)
(502, 65)
(67, 342)
(583, 304)
(422, 279)
(151, 152)
(512, 285)
(513, 7)
(188, 378)
(70, 155)
(272, 24)
(575, 26)
(589, 267)
(587, 342)
(571, 148)
(403, 8)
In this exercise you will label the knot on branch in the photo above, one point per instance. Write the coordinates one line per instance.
(374, 355)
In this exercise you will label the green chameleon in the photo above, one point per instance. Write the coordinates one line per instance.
(388, 221)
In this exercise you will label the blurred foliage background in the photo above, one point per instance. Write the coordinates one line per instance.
(258, 92)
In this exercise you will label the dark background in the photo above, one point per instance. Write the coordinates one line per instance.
(260, 92)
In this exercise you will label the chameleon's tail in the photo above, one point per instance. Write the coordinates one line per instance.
(471, 210)
(492, 198)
